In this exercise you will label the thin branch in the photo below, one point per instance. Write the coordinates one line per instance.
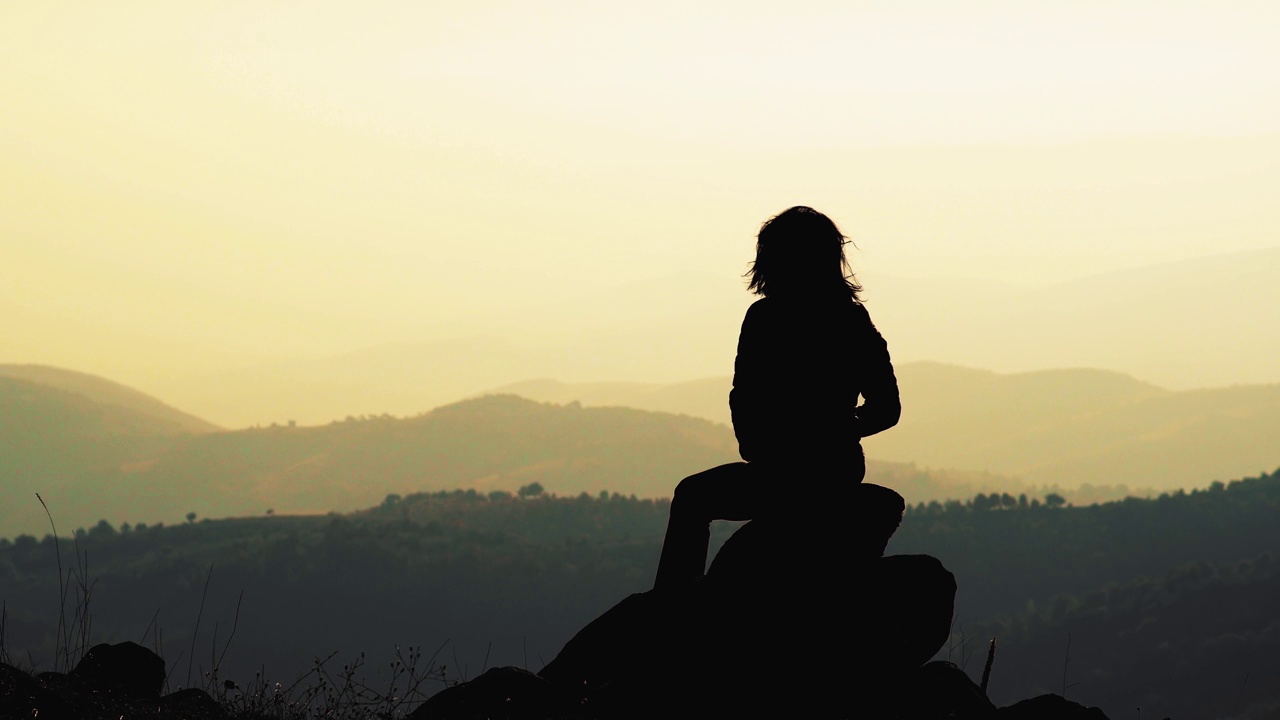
(234, 624)
(149, 626)
(61, 641)
(1066, 661)
(1239, 695)
(4, 649)
(191, 658)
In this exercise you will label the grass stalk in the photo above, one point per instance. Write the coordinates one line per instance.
(191, 656)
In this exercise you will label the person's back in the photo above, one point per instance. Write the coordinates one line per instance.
(801, 365)
(807, 351)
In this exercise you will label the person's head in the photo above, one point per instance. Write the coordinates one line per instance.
(800, 251)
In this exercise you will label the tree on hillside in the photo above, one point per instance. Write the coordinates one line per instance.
(532, 490)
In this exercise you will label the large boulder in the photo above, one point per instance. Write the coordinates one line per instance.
(938, 690)
(23, 696)
(126, 668)
(1049, 707)
(499, 694)
(190, 704)
(778, 591)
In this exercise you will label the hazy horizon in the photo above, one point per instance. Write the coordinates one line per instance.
(194, 192)
(410, 317)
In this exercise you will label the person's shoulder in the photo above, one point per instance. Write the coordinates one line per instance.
(760, 307)
(854, 316)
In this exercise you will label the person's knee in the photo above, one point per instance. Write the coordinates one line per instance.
(690, 494)
(686, 489)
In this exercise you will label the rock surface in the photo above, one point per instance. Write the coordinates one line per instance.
(1049, 707)
(818, 590)
(723, 646)
(111, 681)
(505, 693)
(126, 668)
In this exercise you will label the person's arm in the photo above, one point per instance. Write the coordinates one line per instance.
(745, 398)
(881, 407)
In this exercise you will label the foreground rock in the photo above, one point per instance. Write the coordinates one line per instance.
(863, 625)
(125, 669)
(124, 680)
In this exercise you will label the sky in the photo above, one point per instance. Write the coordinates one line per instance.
(196, 186)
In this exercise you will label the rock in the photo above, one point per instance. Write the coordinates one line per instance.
(191, 704)
(57, 681)
(910, 606)
(941, 690)
(642, 655)
(627, 641)
(1049, 707)
(778, 590)
(17, 691)
(26, 697)
(501, 693)
(126, 668)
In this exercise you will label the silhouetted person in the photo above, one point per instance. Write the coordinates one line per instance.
(806, 351)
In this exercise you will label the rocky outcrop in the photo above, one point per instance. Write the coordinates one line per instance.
(125, 669)
(500, 693)
(1049, 707)
(124, 680)
(791, 620)
(778, 594)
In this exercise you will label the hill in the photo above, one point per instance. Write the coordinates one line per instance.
(103, 391)
(1063, 428)
(706, 398)
(1201, 640)
(105, 462)
(1207, 322)
(492, 443)
(1069, 427)
(52, 438)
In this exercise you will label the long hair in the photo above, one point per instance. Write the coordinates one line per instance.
(800, 251)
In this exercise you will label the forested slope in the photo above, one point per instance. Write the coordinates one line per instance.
(499, 579)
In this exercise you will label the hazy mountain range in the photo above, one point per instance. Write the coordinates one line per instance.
(95, 449)
(1064, 427)
(116, 401)
(1211, 322)
(91, 459)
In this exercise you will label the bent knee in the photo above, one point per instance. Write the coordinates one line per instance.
(690, 489)
(701, 489)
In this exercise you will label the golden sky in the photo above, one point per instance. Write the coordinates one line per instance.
(187, 187)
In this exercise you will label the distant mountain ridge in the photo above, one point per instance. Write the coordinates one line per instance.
(92, 461)
(1207, 322)
(963, 431)
(101, 390)
(1049, 427)
(491, 443)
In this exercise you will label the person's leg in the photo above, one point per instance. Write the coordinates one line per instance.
(727, 492)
